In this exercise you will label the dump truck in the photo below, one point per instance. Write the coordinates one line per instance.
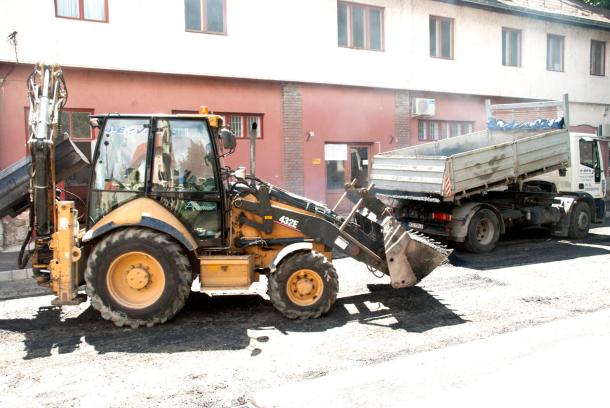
(162, 210)
(525, 170)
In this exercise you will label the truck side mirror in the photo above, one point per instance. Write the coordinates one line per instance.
(228, 139)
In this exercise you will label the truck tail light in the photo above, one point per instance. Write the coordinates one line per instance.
(441, 216)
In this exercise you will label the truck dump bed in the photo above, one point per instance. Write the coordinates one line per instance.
(468, 164)
(522, 140)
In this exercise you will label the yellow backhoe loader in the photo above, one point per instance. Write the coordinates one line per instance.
(162, 210)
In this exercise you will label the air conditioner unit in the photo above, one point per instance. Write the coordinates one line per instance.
(423, 107)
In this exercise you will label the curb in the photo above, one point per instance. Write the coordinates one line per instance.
(15, 275)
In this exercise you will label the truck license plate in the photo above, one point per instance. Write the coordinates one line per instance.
(416, 225)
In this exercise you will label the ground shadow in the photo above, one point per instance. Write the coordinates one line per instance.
(222, 323)
(533, 246)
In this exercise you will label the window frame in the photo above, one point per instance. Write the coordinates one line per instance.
(603, 58)
(519, 33)
(244, 120)
(227, 120)
(452, 42)
(563, 51)
(424, 133)
(79, 110)
(81, 12)
(367, 26)
(204, 21)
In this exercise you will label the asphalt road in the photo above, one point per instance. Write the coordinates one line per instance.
(220, 351)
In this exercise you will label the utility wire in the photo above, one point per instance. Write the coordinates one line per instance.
(12, 39)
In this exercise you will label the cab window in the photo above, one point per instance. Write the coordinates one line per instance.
(120, 165)
(184, 159)
(588, 153)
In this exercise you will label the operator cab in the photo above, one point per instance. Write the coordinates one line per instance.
(173, 159)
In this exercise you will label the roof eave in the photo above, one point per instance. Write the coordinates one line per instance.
(544, 15)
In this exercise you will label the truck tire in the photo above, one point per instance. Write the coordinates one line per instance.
(304, 286)
(483, 232)
(580, 221)
(138, 277)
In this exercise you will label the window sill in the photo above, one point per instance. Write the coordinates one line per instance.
(83, 19)
(598, 75)
(554, 70)
(512, 66)
(205, 32)
(360, 49)
(442, 58)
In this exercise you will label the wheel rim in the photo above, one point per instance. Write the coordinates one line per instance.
(135, 280)
(485, 232)
(582, 221)
(304, 287)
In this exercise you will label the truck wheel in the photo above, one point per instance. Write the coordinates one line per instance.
(580, 221)
(138, 277)
(483, 232)
(304, 286)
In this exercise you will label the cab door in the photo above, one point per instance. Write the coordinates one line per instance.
(590, 176)
(184, 176)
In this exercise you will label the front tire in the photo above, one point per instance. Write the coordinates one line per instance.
(580, 221)
(483, 232)
(138, 277)
(304, 286)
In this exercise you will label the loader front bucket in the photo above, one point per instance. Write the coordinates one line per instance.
(410, 257)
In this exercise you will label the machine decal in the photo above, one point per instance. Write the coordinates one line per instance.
(289, 222)
(341, 243)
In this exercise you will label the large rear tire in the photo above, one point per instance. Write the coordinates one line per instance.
(138, 277)
(483, 232)
(580, 221)
(304, 286)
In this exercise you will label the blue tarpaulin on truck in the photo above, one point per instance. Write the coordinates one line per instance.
(539, 124)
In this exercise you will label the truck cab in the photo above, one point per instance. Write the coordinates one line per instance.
(586, 172)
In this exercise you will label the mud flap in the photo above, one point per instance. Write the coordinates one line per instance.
(410, 257)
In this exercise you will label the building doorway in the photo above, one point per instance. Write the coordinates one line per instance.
(344, 163)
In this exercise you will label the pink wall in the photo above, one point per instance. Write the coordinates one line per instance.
(450, 107)
(13, 99)
(127, 92)
(344, 115)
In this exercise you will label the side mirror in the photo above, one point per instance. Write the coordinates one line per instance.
(94, 123)
(598, 174)
(228, 139)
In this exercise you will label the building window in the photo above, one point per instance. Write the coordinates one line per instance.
(467, 127)
(239, 123)
(441, 37)
(421, 130)
(598, 58)
(511, 47)
(435, 129)
(554, 52)
(359, 26)
(76, 123)
(90, 10)
(242, 124)
(206, 16)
